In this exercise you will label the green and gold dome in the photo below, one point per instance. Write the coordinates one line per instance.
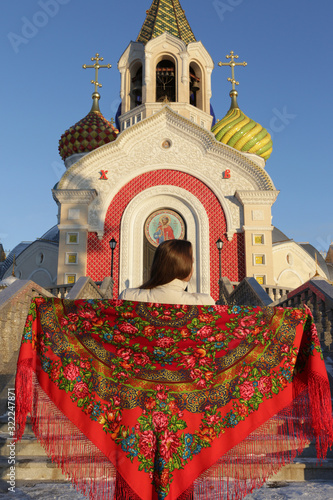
(242, 133)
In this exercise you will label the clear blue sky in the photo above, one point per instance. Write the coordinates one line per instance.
(286, 87)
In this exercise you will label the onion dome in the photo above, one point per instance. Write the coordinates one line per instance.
(241, 133)
(88, 134)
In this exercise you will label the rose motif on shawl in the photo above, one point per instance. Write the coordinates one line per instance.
(55, 373)
(204, 332)
(81, 390)
(87, 314)
(128, 328)
(119, 338)
(265, 385)
(150, 404)
(169, 444)
(71, 371)
(247, 321)
(246, 390)
(160, 421)
(147, 444)
(149, 331)
(141, 359)
(206, 318)
(241, 333)
(124, 353)
(165, 342)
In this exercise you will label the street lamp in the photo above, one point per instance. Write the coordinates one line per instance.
(113, 245)
(219, 245)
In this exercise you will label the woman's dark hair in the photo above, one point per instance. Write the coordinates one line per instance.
(173, 259)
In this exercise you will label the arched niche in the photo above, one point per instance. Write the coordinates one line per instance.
(132, 233)
(196, 84)
(166, 79)
(135, 84)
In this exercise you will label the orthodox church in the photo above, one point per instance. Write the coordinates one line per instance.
(165, 169)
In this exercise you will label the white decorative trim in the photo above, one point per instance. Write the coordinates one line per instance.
(290, 271)
(257, 197)
(73, 227)
(219, 153)
(258, 228)
(230, 234)
(132, 234)
(40, 270)
(77, 196)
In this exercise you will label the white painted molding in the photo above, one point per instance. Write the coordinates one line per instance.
(257, 197)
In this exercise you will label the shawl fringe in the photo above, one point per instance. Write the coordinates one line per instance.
(123, 491)
(245, 467)
(79, 459)
(237, 473)
(271, 446)
(23, 385)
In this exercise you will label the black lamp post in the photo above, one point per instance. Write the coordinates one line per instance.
(113, 245)
(219, 245)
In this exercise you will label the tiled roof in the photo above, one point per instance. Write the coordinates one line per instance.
(86, 135)
(166, 15)
(51, 235)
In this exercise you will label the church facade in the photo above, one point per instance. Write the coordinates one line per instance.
(167, 170)
(167, 166)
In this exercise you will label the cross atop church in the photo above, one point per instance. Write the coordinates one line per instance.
(97, 66)
(232, 64)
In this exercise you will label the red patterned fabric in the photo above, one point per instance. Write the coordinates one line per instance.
(153, 402)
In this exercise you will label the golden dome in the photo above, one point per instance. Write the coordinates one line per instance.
(242, 133)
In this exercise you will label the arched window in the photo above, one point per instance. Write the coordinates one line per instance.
(136, 88)
(165, 81)
(195, 86)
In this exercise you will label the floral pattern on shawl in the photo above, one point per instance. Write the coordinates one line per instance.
(160, 441)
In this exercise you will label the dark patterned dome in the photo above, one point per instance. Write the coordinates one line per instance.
(88, 134)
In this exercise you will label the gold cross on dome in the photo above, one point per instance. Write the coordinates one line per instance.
(232, 64)
(97, 66)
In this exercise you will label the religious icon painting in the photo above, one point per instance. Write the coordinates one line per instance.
(164, 225)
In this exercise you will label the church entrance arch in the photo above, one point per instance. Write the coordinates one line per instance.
(162, 225)
(184, 209)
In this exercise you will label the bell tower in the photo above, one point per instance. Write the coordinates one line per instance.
(165, 66)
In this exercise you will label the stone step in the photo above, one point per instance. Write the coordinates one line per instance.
(29, 469)
(306, 469)
(32, 469)
(311, 452)
(33, 464)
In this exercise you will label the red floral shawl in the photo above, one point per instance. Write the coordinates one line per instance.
(148, 401)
